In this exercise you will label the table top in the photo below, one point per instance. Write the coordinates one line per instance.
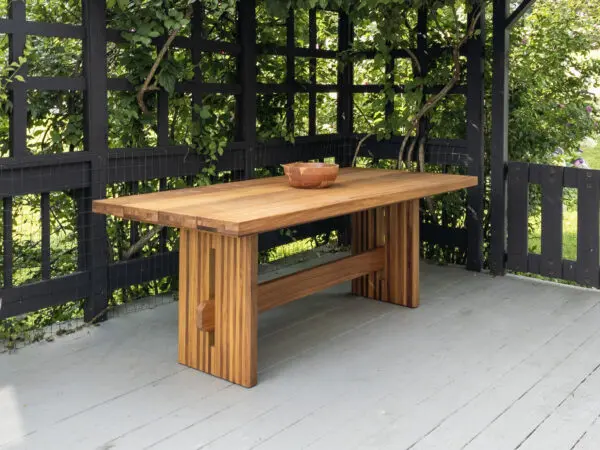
(259, 205)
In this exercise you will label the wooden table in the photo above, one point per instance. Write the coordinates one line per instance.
(219, 295)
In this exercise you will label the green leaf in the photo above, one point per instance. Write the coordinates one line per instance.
(204, 112)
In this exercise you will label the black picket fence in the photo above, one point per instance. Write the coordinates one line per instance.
(550, 184)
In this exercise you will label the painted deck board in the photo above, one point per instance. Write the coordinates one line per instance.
(494, 363)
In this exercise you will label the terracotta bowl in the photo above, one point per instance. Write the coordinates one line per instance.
(311, 175)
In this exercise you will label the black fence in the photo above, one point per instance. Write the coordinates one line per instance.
(552, 189)
(85, 175)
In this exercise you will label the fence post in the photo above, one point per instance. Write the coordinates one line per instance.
(345, 109)
(247, 77)
(290, 72)
(345, 101)
(18, 91)
(17, 133)
(96, 143)
(312, 73)
(499, 150)
(475, 139)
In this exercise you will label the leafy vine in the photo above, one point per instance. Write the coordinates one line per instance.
(148, 21)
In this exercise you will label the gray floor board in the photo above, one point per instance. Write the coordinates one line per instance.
(484, 363)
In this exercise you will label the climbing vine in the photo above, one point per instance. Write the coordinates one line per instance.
(393, 29)
(153, 65)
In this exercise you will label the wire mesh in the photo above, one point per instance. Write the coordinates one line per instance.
(77, 134)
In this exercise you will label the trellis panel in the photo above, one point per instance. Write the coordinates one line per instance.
(85, 175)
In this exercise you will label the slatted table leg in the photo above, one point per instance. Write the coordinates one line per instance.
(395, 227)
(221, 270)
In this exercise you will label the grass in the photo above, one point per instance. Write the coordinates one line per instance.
(591, 154)
(298, 246)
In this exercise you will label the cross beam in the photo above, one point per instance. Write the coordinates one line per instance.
(518, 13)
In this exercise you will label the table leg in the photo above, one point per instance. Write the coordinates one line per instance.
(396, 228)
(218, 275)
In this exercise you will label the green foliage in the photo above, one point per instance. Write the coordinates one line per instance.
(8, 74)
(552, 73)
(552, 103)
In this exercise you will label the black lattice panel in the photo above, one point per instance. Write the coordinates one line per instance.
(312, 95)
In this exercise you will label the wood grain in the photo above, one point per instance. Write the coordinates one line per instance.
(292, 287)
(205, 316)
(256, 206)
(395, 227)
(219, 270)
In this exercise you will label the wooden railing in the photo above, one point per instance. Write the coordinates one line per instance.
(550, 261)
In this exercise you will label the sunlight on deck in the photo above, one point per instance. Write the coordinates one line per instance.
(11, 422)
(484, 363)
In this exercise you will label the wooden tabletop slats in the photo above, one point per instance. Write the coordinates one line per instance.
(260, 205)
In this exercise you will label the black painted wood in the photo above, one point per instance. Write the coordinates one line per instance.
(552, 221)
(60, 30)
(142, 270)
(422, 53)
(519, 12)
(345, 80)
(437, 151)
(534, 263)
(80, 199)
(31, 179)
(56, 83)
(499, 143)
(196, 54)
(270, 49)
(475, 138)
(569, 270)
(7, 242)
(290, 72)
(45, 219)
(247, 76)
(201, 44)
(454, 238)
(134, 230)
(18, 93)
(164, 233)
(162, 125)
(312, 95)
(550, 263)
(518, 204)
(163, 140)
(43, 294)
(96, 143)
(588, 229)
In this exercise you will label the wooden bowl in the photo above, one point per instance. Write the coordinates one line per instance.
(311, 175)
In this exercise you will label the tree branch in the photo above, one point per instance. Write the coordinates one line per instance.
(434, 100)
(411, 149)
(422, 154)
(135, 248)
(161, 54)
(415, 60)
(360, 143)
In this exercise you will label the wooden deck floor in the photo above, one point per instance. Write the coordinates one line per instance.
(485, 363)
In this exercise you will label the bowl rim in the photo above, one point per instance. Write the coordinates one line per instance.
(316, 165)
